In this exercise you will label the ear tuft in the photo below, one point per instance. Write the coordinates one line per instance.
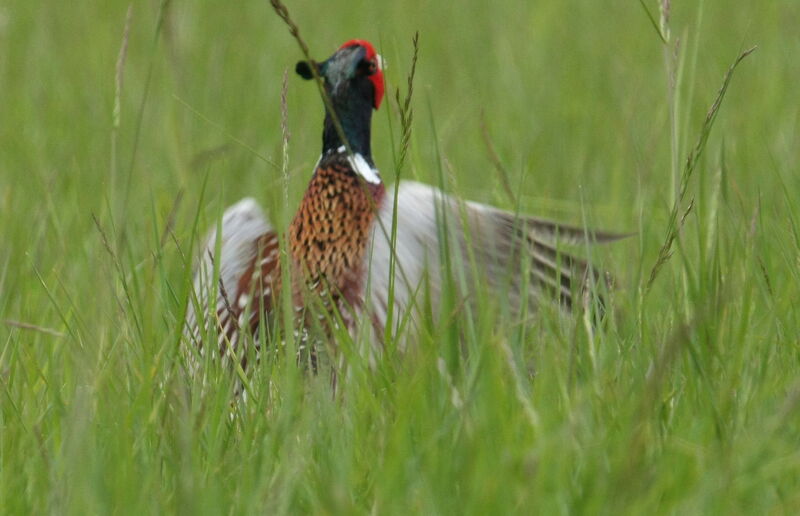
(303, 69)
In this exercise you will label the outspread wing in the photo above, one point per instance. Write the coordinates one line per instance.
(492, 242)
(221, 299)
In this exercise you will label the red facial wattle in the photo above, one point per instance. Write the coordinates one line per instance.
(377, 77)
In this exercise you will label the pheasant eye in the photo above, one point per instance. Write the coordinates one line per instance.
(367, 67)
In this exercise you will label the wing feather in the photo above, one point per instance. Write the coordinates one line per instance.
(243, 230)
(496, 239)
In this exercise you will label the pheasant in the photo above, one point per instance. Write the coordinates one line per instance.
(339, 247)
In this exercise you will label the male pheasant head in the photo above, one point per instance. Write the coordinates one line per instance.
(353, 80)
(355, 70)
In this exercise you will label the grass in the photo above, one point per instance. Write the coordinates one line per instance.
(688, 401)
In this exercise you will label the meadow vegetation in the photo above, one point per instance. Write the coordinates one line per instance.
(120, 146)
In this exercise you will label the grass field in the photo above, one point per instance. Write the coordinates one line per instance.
(687, 402)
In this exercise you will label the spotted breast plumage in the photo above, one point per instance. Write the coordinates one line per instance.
(340, 249)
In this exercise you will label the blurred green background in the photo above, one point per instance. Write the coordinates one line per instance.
(576, 98)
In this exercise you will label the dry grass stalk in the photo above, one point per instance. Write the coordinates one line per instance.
(674, 226)
(406, 112)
